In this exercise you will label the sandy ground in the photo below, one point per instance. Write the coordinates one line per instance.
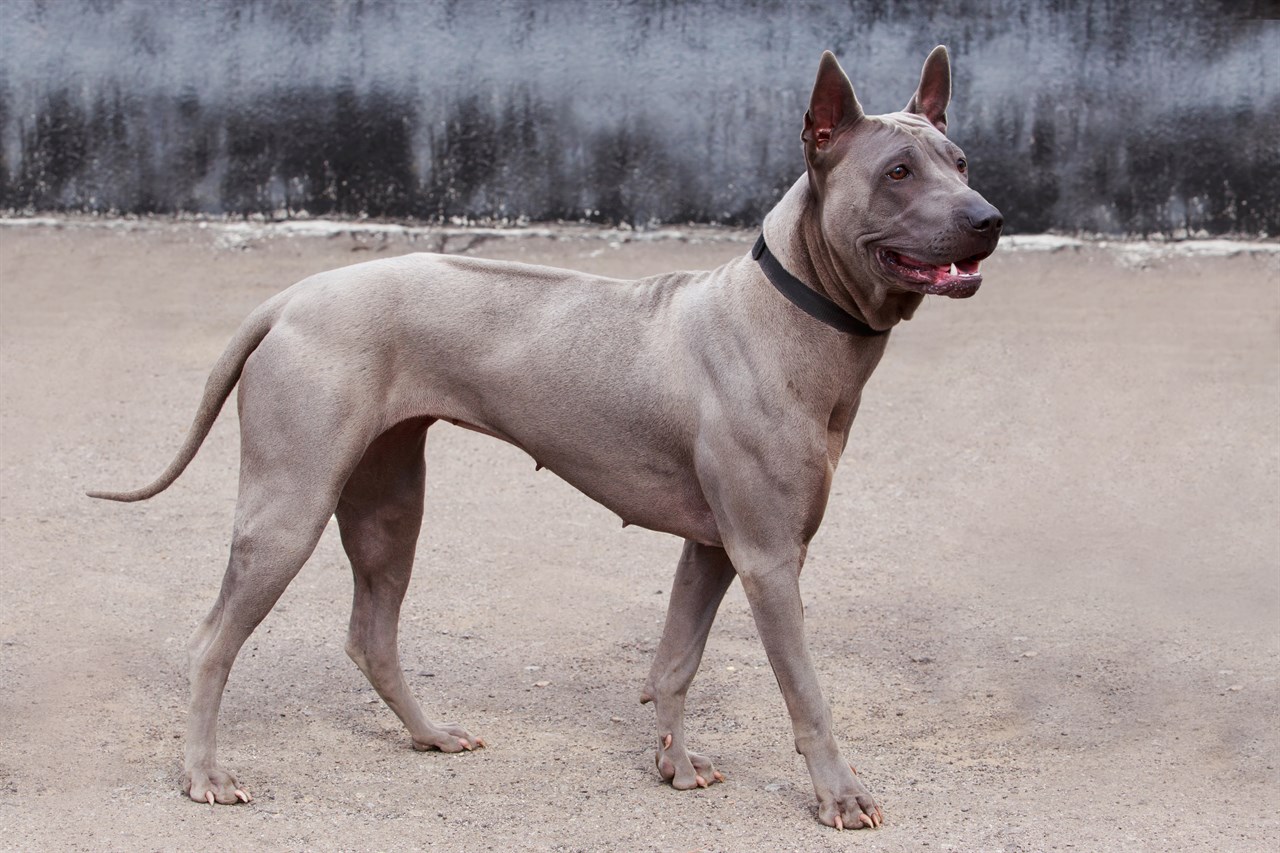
(1045, 603)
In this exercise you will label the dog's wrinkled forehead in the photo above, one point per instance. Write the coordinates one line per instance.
(917, 125)
(895, 131)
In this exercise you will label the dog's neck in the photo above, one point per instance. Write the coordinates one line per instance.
(793, 230)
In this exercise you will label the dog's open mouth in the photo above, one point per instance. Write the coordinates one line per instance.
(957, 279)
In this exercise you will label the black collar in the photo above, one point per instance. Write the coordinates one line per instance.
(806, 298)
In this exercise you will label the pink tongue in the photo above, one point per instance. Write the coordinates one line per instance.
(935, 272)
(942, 272)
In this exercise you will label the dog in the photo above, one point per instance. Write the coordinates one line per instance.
(712, 405)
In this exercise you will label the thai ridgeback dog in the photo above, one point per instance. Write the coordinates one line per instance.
(712, 405)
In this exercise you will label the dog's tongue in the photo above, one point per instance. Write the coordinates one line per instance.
(942, 273)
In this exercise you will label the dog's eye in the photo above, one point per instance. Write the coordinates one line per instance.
(963, 165)
(898, 172)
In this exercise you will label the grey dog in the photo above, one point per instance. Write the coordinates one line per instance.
(712, 405)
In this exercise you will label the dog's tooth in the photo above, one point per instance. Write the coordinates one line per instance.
(953, 269)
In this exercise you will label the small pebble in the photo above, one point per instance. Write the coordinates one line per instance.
(541, 683)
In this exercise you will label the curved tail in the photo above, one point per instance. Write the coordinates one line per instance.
(217, 388)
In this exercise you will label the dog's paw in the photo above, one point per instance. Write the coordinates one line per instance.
(683, 769)
(214, 785)
(847, 804)
(447, 738)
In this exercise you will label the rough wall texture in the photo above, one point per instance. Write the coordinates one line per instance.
(1101, 115)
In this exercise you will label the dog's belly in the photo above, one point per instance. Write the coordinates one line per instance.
(656, 490)
(670, 501)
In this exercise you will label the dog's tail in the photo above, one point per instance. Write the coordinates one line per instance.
(217, 388)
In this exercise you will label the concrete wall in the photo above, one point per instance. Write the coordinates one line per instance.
(1101, 115)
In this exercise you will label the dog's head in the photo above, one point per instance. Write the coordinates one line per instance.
(893, 192)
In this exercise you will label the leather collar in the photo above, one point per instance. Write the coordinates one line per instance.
(806, 298)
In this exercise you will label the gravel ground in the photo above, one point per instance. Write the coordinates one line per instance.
(1045, 603)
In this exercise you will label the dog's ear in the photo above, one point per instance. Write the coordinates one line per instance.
(934, 93)
(833, 108)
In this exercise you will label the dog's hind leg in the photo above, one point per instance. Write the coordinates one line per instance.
(702, 578)
(279, 519)
(294, 460)
(379, 515)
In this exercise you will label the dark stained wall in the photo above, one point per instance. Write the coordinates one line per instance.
(1097, 115)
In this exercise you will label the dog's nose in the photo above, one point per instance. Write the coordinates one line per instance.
(985, 219)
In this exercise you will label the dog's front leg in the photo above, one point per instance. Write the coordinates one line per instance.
(702, 577)
(773, 590)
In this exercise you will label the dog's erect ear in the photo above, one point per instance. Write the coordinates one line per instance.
(833, 108)
(934, 93)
